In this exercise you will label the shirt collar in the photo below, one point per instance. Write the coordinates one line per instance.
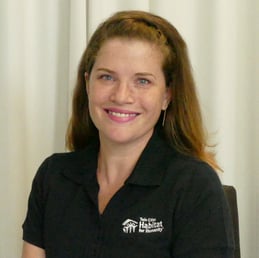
(149, 170)
(153, 162)
(83, 164)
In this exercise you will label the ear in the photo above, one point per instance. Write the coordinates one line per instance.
(167, 98)
(86, 75)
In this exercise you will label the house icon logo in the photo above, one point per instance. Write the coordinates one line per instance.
(146, 225)
(129, 226)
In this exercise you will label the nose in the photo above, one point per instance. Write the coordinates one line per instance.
(122, 94)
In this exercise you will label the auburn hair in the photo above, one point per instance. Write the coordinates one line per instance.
(183, 127)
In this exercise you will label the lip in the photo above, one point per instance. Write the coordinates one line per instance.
(121, 115)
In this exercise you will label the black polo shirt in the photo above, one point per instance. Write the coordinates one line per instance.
(170, 206)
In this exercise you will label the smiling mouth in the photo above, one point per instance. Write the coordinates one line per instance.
(120, 114)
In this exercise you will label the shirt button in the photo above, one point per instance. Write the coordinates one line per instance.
(99, 237)
(94, 252)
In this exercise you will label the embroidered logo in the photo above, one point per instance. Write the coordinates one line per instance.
(129, 226)
(144, 225)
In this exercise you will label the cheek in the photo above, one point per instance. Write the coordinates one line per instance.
(93, 102)
(95, 95)
(153, 103)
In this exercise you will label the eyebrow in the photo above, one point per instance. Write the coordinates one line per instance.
(137, 74)
(146, 74)
(105, 70)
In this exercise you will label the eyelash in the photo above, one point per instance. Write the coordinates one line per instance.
(106, 77)
(139, 81)
(143, 81)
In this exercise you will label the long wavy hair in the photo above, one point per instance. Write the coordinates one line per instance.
(183, 126)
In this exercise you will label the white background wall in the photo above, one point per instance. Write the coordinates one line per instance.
(40, 46)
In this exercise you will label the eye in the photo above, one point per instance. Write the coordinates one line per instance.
(143, 81)
(106, 77)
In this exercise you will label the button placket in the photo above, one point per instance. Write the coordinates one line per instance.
(98, 240)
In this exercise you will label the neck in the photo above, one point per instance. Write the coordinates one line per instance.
(117, 161)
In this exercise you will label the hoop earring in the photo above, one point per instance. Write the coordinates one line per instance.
(164, 117)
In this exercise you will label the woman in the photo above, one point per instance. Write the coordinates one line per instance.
(138, 181)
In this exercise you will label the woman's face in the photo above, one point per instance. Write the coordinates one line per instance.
(126, 90)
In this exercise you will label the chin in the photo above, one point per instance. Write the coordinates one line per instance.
(120, 138)
(126, 137)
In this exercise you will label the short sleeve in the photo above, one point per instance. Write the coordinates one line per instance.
(203, 226)
(34, 221)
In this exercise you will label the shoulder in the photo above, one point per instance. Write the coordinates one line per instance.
(190, 174)
(177, 167)
(58, 161)
(199, 206)
(192, 168)
(66, 163)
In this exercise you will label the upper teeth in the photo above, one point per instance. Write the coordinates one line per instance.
(121, 114)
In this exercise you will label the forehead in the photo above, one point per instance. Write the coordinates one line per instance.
(129, 50)
(129, 42)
